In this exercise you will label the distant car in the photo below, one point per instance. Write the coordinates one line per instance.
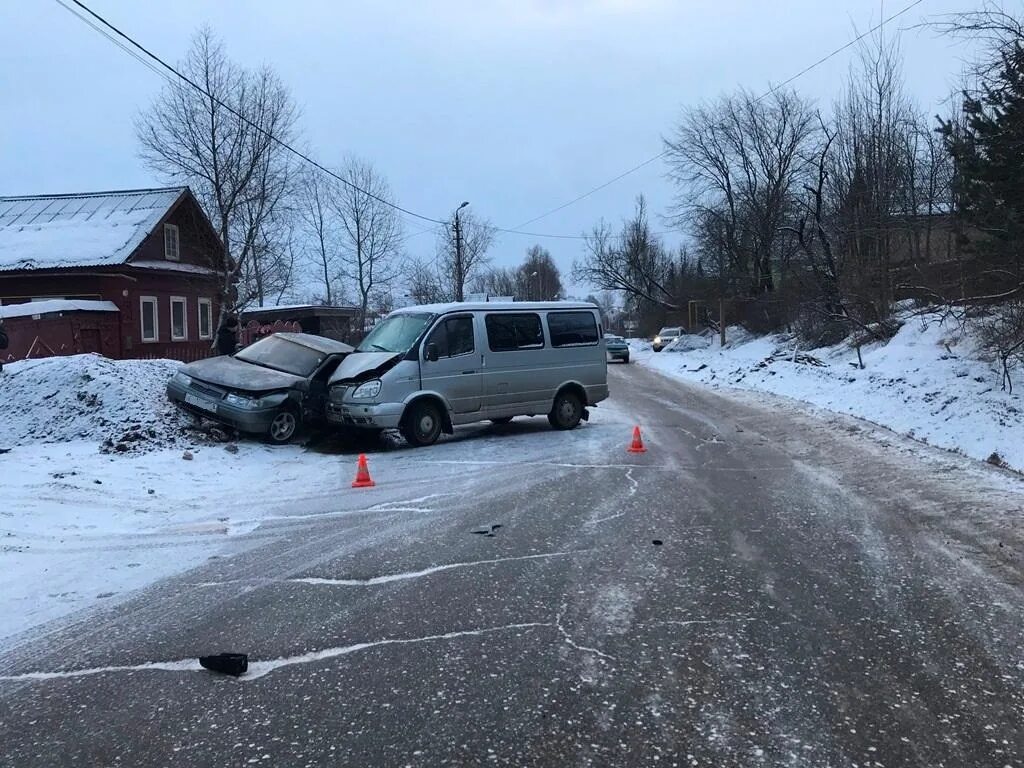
(617, 347)
(271, 387)
(665, 336)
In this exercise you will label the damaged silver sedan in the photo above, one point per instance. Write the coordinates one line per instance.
(272, 387)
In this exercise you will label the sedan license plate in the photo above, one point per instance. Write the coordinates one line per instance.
(201, 402)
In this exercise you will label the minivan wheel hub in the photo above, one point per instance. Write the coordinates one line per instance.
(426, 424)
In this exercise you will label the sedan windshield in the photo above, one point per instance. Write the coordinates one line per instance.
(396, 333)
(282, 355)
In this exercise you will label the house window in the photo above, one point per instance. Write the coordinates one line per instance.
(171, 242)
(179, 321)
(205, 319)
(149, 320)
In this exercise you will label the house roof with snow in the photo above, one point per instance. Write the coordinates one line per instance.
(33, 308)
(80, 230)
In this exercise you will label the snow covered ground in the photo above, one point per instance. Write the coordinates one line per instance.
(84, 522)
(928, 382)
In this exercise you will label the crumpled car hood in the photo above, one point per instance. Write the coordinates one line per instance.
(237, 374)
(358, 364)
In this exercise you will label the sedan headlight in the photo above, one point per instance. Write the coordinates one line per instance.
(182, 378)
(366, 391)
(241, 401)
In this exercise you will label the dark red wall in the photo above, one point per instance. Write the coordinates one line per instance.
(68, 334)
(125, 287)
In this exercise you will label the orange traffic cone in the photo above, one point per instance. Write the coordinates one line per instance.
(638, 444)
(363, 479)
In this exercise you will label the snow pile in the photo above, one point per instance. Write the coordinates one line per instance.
(120, 404)
(928, 382)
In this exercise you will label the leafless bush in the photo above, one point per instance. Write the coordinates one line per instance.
(1001, 333)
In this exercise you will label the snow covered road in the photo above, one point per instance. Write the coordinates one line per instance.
(764, 586)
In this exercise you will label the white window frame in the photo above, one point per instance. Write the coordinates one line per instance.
(184, 318)
(176, 255)
(143, 300)
(208, 303)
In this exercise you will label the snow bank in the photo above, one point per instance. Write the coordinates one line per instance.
(119, 403)
(928, 382)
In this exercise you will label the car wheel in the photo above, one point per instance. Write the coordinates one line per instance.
(626, 360)
(567, 410)
(284, 426)
(422, 424)
(502, 420)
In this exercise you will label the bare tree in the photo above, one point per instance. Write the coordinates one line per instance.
(497, 281)
(477, 236)
(423, 282)
(369, 232)
(872, 174)
(319, 230)
(736, 164)
(990, 24)
(632, 261)
(226, 144)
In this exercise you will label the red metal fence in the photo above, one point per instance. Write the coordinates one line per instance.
(253, 330)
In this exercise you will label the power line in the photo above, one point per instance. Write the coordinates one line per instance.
(135, 55)
(284, 145)
(764, 95)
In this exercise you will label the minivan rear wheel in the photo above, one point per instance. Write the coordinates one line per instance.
(567, 410)
(422, 424)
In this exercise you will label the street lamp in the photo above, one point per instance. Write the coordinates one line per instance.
(537, 275)
(459, 272)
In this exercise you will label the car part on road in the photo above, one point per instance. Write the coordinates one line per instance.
(637, 446)
(422, 423)
(234, 664)
(284, 425)
(488, 532)
(363, 479)
(567, 410)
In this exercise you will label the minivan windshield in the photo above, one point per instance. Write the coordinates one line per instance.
(281, 355)
(396, 333)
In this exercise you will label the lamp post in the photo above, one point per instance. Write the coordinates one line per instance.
(460, 276)
(537, 275)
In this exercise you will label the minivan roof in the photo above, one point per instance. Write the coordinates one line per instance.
(522, 306)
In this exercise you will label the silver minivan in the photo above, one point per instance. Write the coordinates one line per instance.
(424, 370)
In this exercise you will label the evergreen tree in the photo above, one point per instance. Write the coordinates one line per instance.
(988, 147)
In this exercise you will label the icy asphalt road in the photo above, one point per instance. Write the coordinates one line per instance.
(823, 595)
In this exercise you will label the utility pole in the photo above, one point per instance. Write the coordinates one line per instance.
(460, 274)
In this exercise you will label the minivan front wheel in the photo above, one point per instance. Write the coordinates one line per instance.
(422, 424)
(284, 425)
(567, 410)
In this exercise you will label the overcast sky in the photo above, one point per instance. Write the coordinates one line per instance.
(514, 105)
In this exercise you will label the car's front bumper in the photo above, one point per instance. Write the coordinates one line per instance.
(255, 420)
(365, 415)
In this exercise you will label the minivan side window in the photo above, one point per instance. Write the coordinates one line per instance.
(572, 329)
(507, 332)
(453, 336)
